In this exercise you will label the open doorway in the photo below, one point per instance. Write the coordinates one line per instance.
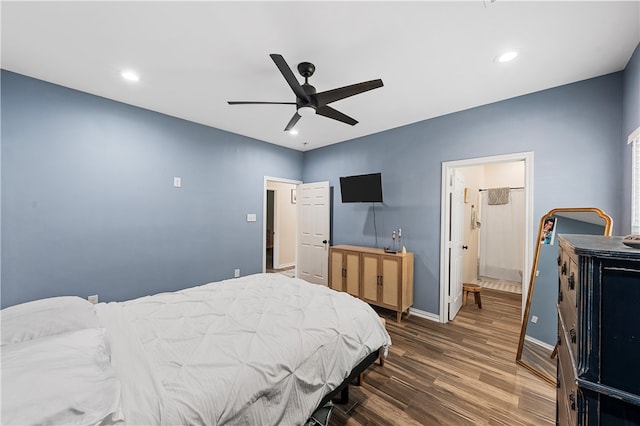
(270, 232)
(514, 172)
(279, 232)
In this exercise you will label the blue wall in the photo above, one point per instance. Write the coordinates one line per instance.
(88, 204)
(631, 121)
(89, 207)
(573, 130)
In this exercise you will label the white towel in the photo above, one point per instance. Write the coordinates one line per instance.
(498, 196)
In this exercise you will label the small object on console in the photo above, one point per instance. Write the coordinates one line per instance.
(632, 241)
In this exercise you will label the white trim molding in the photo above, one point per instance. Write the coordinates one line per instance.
(424, 314)
(539, 343)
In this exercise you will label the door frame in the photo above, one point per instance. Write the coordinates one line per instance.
(264, 218)
(445, 221)
(456, 197)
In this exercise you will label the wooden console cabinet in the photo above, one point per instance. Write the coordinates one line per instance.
(379, 278)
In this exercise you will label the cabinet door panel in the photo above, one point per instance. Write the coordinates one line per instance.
(336, 270)
(620, 326)
(390, 280)
(370, 277)
(352, 261)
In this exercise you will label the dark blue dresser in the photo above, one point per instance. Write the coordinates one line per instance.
(598, 332)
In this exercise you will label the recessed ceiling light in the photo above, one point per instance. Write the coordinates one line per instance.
(507, 56)
(293, 132)
(130, 75)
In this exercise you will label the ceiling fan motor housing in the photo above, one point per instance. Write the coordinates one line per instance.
(306, 69)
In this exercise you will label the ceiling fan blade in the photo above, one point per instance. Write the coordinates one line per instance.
(259, 103)
(329, 96)
(292, 122)
(289, 76)
(329, 112)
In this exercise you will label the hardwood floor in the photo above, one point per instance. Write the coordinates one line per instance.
(460, 373)
(539, 358)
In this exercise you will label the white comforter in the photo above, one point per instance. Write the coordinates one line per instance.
(258, 350)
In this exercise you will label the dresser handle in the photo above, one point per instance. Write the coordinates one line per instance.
(560, 295)
(572, 401)
(559, 260)
(572, 282)
(563, 270)
(572, 333)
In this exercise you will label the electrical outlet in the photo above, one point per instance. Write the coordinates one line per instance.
(236, 273)
(177, 182)
(534, 319)
(93, 299)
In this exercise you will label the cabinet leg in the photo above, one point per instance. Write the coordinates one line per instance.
(398, 316)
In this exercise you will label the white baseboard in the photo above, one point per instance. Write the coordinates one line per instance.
(539, 342)
(424, 314)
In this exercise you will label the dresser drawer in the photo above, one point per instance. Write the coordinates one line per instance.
(568, 330)
(568, 283)
(567, 393)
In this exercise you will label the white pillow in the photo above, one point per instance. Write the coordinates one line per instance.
(46, 317)
(64, 379)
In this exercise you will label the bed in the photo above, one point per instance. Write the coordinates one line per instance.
(262, 349)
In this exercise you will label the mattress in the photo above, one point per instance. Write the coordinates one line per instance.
(258, 350)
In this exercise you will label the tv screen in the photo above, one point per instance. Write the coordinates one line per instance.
(361, 188)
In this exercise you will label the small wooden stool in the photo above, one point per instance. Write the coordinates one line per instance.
(471, 288)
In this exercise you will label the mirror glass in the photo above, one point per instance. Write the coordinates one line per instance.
(538, 336)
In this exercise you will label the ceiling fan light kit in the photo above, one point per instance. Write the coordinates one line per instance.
(308, 101)
(306, 110)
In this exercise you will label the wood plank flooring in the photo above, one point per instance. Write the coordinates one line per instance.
(539, 358)
(460, 373)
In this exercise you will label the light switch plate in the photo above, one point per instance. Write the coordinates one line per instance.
(177, 182)
(251, 217)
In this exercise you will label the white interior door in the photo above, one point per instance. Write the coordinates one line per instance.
(313, 231)
(456, 198)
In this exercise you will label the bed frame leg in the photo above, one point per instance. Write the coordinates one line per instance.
(344, 396)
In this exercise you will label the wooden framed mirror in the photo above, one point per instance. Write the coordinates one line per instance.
(538, 334)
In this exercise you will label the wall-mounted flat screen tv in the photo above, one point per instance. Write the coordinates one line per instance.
(361, 188)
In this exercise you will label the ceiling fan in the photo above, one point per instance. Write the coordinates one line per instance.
(307, 100)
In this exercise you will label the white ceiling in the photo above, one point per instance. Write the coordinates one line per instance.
(434, 58)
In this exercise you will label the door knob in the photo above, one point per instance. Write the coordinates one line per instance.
(465, 247)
